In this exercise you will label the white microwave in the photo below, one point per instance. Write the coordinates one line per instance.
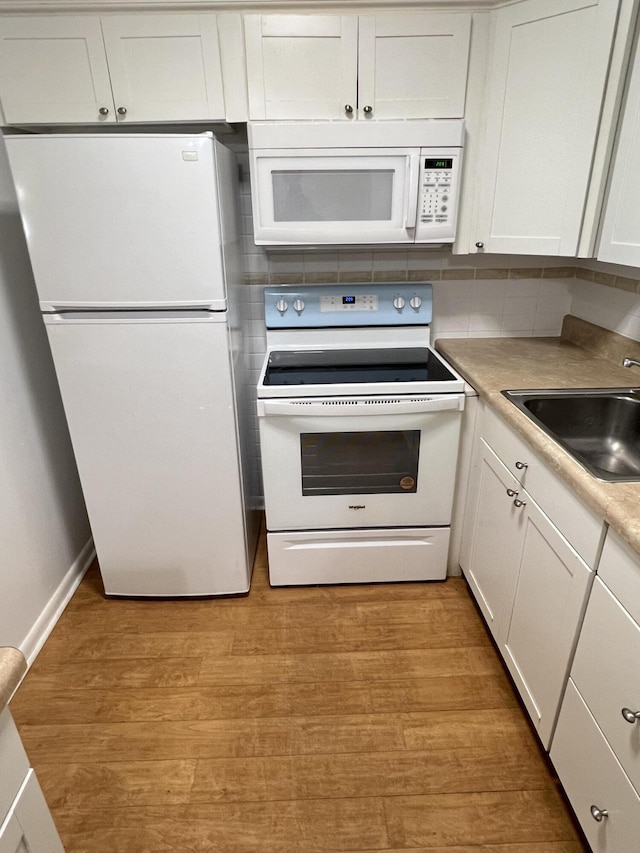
(315, 184)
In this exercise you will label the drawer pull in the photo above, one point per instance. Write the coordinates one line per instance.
(631, 716)
(598, 814)
(522, 465)
(519, 503)
(512, 493)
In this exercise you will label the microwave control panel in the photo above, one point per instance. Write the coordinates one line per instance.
(438, 195)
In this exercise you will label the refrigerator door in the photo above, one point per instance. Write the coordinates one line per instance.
(152, 420)
(126, 221)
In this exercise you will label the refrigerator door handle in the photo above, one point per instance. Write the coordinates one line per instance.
(157, 316)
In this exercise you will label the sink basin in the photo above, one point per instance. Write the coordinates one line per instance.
(600, 427)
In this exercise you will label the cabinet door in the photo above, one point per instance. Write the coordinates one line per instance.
(54, 69)
(496, 540)
(29, 827)
(606, 670)
(413, 65)
(302, 66)
(620, 240)
(538, 637)
(164, 67)
(549, 69)
(12, 838)
(592, 778)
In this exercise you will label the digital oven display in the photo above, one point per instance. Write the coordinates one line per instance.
(439, 163)
(340, 302)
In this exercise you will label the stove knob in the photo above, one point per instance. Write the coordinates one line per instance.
(398, 303)
(282, 305)
(298, 305)
(415, 302)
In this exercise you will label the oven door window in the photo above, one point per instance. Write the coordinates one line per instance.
(359, 463)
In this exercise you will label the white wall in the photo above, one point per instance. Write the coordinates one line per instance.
(43, 526)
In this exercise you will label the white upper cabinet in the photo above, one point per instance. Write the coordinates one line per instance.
(164, 66)
(414, 65)
(301, 66)
(547, 74)
(54, 69)
(348, 67)
(125, 68)
(620, 240)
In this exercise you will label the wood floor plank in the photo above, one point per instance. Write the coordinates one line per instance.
(436, 629)
(479, 727)
(218, 738)
(380, 774)
(307, 826)
(443, 692)
(442, 730)
(354, 666)
(478, 818)
(110, 646)
(172, 672)
(235, 701)
(534, 847)
(124, 784)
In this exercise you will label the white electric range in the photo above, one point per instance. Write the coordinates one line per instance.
(359, 428)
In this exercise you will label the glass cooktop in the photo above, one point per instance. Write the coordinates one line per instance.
(332, 367)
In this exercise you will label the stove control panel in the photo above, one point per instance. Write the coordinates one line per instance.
(339, 305)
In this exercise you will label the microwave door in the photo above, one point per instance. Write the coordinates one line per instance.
(335, 197)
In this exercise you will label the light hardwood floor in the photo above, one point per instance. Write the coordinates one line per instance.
(361, 718)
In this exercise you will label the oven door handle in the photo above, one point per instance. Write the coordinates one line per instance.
(340, 408)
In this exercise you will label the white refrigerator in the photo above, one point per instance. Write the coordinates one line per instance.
(134, 247)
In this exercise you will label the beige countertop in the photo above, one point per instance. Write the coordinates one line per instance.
(492, 365)
(12, 667)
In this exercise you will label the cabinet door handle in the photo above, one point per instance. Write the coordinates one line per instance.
(103, 111)
(122, 111)
(522, 465)
(368, 110)
(630, 716)
(598, 814)
(512, 493)
(519, 503)
(348, 109)
(479, 245)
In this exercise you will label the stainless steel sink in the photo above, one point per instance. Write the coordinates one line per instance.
(599, 427)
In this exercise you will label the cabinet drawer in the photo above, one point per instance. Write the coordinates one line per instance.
(606, 670)
(14, 764)
(592, 777)
(580, 526)
(619, 568)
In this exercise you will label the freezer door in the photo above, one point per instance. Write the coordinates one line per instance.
(152, 421)
(120, 220)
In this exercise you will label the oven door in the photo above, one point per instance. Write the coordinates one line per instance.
(347, 462)
(335, 196)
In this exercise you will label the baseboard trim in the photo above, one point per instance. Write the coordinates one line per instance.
(46, 622)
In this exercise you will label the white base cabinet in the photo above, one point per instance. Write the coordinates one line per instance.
(605, 802)
(529, 580)
(596, 746)
(29, 827)
(26, 826)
